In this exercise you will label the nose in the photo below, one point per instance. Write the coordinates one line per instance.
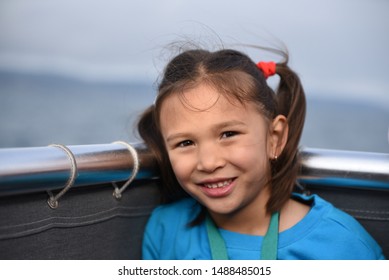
(210, 157)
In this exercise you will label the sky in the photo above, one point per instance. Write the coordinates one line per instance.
(339, 47)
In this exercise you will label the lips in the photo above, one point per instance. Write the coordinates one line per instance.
(218, 188)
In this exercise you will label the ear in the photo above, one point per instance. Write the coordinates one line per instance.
(278, 136)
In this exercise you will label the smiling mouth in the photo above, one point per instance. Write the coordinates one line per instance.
(220, 184)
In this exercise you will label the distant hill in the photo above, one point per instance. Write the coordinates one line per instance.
(37, 110)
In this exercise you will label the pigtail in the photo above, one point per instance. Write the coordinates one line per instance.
(149, 132)
(151, 135)
(291, 103)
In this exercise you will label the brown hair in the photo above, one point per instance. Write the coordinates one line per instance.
(234, 74)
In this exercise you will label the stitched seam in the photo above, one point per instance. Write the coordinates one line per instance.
(365, 211)
(62, 222)
(78, 217)
(63, 225)
(371, 218)
(60, 225)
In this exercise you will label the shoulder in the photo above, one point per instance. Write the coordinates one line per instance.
(338, 218)
(354, 232)
(337, 233)
(168, 230)
(174, 214)
(180, 210)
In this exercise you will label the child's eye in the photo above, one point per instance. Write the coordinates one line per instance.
(228, 134)
(185, 143)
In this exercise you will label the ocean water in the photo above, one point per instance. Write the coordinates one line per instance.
(37, 111)
(41, 110)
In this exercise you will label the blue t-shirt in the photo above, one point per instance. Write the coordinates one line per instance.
(324, 233)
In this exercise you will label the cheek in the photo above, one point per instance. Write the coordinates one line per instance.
(251, 158)
(182, 167)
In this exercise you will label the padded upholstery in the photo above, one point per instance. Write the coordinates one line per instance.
(90, 224)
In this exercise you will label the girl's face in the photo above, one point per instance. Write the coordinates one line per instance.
(219, 149)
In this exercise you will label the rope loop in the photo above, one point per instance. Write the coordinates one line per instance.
(53, 200)
(117, 193)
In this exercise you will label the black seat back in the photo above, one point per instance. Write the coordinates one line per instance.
(91, 224)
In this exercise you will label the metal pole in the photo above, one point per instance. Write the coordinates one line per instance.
(345, 168)
(26, 170)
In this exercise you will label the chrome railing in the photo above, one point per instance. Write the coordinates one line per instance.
(345, 168)
(26, 170)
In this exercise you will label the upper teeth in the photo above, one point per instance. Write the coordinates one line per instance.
(218, 185)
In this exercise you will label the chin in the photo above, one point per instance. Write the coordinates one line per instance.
(222, 208)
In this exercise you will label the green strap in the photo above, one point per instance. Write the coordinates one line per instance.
(269, 244)
(270, 241)
(216, 241)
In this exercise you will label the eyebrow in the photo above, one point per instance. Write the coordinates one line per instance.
(217, 127)
(232, 123)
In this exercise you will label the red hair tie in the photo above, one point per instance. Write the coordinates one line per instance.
(268, 68)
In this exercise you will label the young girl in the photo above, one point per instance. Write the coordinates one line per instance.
(227, 149)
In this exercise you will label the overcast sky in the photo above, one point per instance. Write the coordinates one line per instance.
(339, 46)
